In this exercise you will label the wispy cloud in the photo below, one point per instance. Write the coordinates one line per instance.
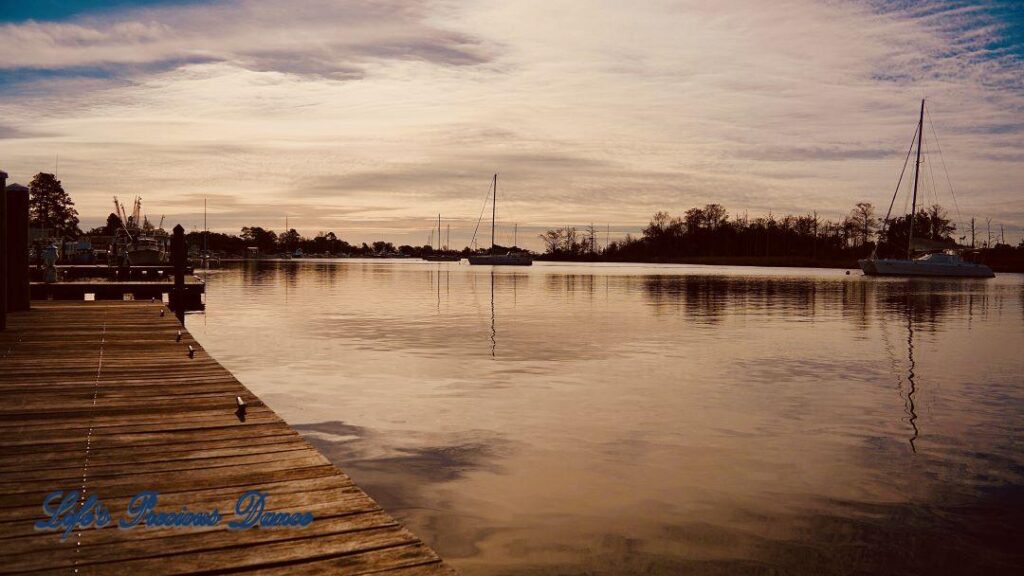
(314, 38)
(378, 115)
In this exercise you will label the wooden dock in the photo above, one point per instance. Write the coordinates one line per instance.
(102, 396)
(101, 289)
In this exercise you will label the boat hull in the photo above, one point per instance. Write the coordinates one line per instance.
(892, 267)
(144, 257)
(501, 260)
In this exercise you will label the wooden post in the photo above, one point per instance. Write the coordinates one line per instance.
(178, 260)
(3, 250)
(18, 289)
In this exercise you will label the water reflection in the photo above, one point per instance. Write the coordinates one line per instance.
(494, 331)
(710, 298)
(651, 420)
(911, 411)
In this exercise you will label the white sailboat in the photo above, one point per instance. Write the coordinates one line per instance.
(509, 258)
(933, 262)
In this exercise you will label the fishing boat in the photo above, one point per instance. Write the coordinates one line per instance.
(931, 260)
(145, 250)
(442, 254)
(509, 258)
(136, 242)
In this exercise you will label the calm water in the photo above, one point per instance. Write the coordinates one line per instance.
(591, 419)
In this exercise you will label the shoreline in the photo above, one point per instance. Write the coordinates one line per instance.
(753, 262)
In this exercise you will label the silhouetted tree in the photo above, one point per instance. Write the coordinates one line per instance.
(552, 240)
(108, 229)
(265, 240)
(382, 247)
(113, 224)
(715, 216)
(50, 207)
(862, 221)
(289, 240)
(930, 224)
(939, 225)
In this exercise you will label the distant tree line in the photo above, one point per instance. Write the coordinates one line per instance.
(269, 242)
(700, 234)
(708, 234)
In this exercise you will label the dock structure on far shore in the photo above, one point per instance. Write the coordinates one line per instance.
(108, 398)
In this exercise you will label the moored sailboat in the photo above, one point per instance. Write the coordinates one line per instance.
(510, 258)
(933, 261)
(442, 254)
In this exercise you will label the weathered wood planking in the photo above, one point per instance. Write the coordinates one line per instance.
(101, 393)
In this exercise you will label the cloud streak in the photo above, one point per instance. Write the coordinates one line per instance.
(317, 38)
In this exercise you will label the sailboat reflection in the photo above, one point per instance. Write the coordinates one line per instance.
(909, 407)
(435, 282)
(494, 333)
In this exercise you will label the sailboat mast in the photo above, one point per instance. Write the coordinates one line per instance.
(494, 209)
(438, 232)
(917, 174)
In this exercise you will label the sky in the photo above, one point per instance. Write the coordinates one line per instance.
(370, 117)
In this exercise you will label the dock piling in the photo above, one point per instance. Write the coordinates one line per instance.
(18, 290)
(178, 260)
(3, 250)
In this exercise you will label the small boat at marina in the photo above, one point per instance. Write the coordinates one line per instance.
(209, 259)
(932, 261)
(442, 254)
(509, 258)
